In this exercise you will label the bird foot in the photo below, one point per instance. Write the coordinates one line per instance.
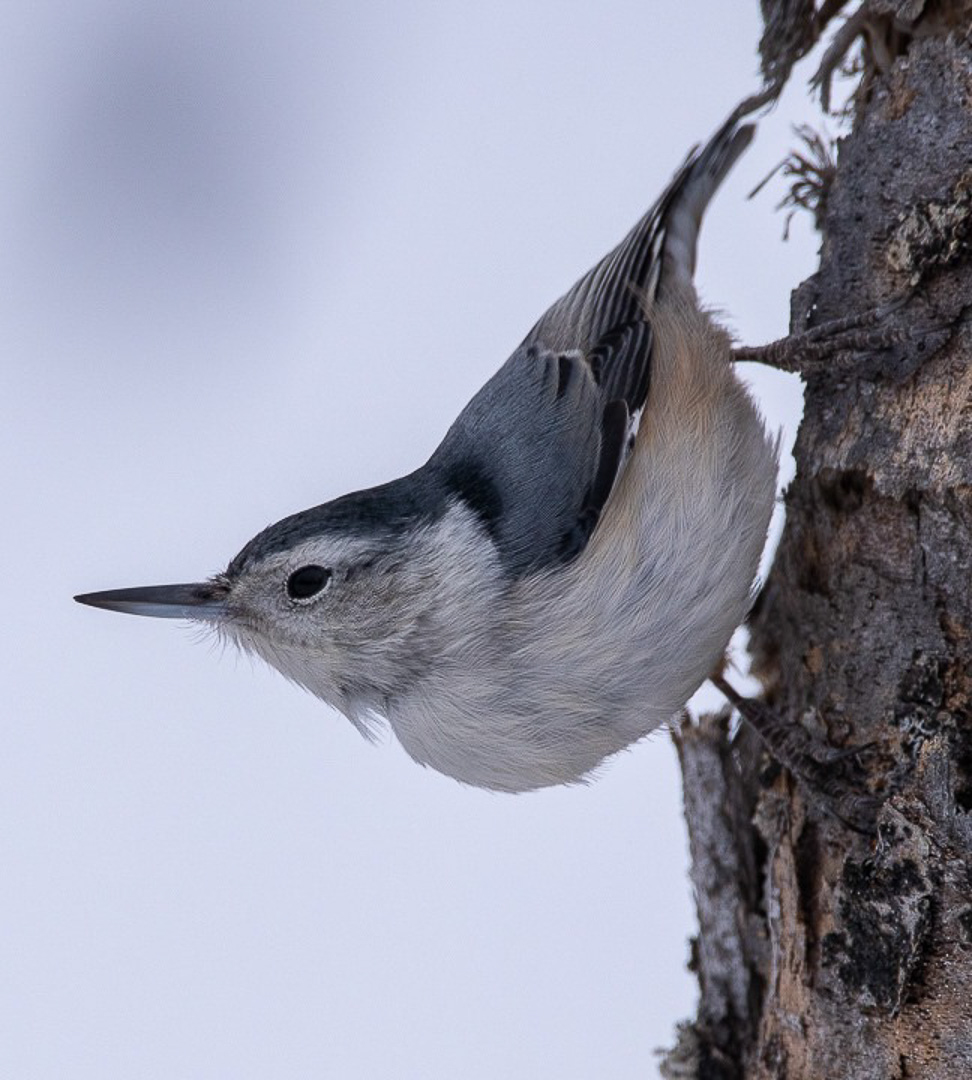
(845, 339)
(832, 778)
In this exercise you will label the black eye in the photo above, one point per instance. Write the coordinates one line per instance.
(307, 582)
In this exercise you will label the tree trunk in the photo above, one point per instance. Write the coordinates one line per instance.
(824, 952)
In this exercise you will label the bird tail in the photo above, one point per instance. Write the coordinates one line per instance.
(682, 205)
(659, 252)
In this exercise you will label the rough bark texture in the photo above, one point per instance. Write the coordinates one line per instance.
(824, 952)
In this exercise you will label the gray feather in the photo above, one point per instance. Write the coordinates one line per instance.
(551, 427)
(658, 251)
(546, 431)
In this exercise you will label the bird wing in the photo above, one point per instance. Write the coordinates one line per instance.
(537, 451)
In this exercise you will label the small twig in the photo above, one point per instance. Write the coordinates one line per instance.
(812, 173)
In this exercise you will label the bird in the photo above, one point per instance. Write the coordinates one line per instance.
(568, 566)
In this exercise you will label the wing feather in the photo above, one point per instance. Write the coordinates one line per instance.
(539, 450)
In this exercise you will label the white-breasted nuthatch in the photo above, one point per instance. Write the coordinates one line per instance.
(568, 566)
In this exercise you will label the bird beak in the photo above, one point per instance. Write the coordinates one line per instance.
(202, 601)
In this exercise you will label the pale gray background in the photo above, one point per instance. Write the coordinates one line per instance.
(254, 256)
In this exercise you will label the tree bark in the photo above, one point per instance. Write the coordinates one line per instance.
(824, 952)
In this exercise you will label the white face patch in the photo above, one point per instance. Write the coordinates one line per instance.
(377, 614)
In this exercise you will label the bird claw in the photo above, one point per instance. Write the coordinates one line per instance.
(829, 784)
(847, 338)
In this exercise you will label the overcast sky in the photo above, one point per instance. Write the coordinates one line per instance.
(255, 256)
